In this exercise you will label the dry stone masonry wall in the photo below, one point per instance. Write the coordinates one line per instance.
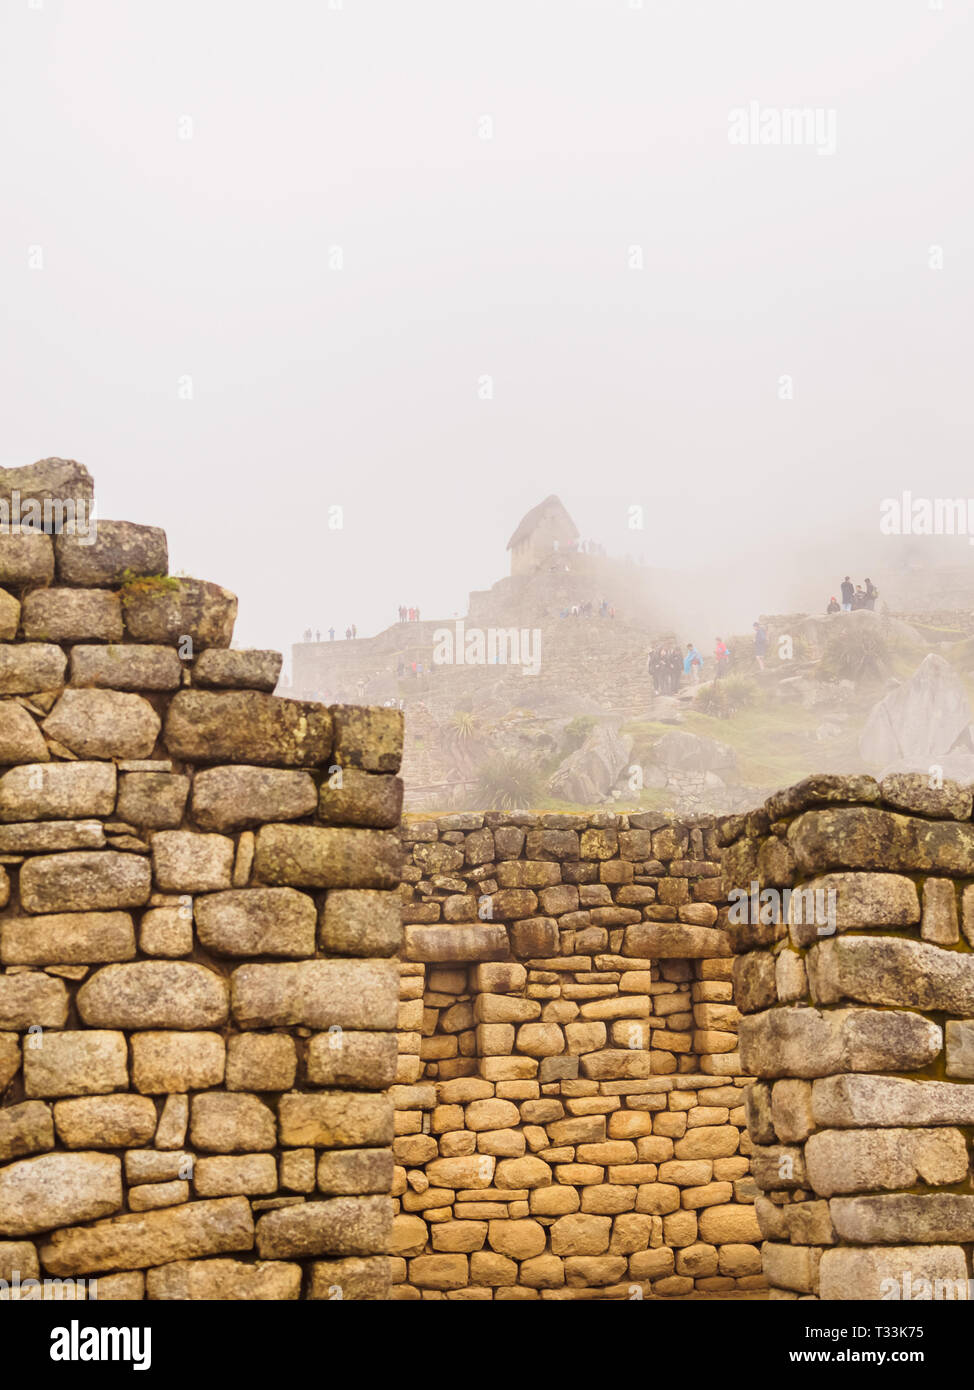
(199, 919)
(570, 1104)
(858, 999)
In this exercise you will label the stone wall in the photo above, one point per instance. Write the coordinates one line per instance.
(859, 1024)
(569, 1106)
(198, 922)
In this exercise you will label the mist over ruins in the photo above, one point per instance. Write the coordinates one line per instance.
(541, 696)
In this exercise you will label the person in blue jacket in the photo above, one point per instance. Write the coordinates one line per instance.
(692, 662)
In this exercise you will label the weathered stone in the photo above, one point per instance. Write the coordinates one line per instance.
(32, 1000)
(105, 1122)
(29, 667)
(21, 741)
(911, 791)
(791, 1267)
(170, 610)
(339, 1226)
(306, 856)
(368, 737)
(335, 1120)
(38, 836)
(479, 941)
(663, 940)
(353, 1059)
(227, 798)
(154, 994)
(67, 938)
(152, 800)
(128, 667)
(891, 970)
(57, 791)
(25, 1129)
(865, 837)
(896, 1271)
(173, 1123)
(317, 994)
(347, 1172)
(184, 862)
(863, 1159)
(791, 1110)
(940, 923)
(235, 1174)
(224, 1280)
(186, 1232)
(18, 1257)
(755, 981)
(84, 881)
(924, 1220)
(858, 1101)
(356, 1279)
(221, 1122)
(804, 1042)
(360, 922)
(26, 557)
(257, 922)
(364, 798)
(9, 1059)
(117, 552)
(77, 1063)
(819, 790)
(960, 1046)
(72, 615)
(851, 901)
(166, 931)
(246, 670)
(261, 1062)
(247, 726)
(9, 616)
(104, 724)
(37, 1194)
(165, 1061)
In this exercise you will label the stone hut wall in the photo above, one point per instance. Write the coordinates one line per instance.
(859, 1025)
(199, 920)
(569, 1106)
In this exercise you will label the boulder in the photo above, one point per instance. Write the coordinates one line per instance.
(589, 773)
(920, 720)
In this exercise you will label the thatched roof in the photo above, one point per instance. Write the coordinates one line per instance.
(531, 519)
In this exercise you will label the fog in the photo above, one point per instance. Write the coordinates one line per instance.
(261, 261)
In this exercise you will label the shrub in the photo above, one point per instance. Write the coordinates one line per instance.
(856, 652)
(509, 782)
(726, 697)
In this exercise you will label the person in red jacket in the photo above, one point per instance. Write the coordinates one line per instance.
(721, 656)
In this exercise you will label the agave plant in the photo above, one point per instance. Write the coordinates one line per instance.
(856, 652)
(509, 782)
(464, 723)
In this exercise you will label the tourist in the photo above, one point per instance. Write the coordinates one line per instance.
(721, 657)
(317, 634)
(760, 643)
(833, 605)
(348, 633)
(400, 668)
(846, 589)
(871, 593)
(858, 599)
(307, 634)
(654, 665)
(692, 663)
(675, 663)
(417, 615)
(354, 630)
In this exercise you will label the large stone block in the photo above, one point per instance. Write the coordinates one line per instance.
(480, 941)
(339, 1226)
(864, 837)
(164, 1062)
(246, 726)
(185, 862)
(38, 1194)
(154, 994)
(104, 724)
(25, 1129)
(308, 856)
(356, 1279)
(365, 1061)
(231, 1175)
(152, 800)
(31, 1000)
(224, 1280)
(862, 1101)
(57, 791)
(368, 737)
(26, 557)
(896, 1272)
(357, 994)
(241, 670)
(38, 836)
(9, 1059)
(126, 667)
(188, 1232)
(105, 1122)
(21, 741)
(118, 551)
(891, 970)
(336, 1120)
(360, 922)
(229, 798)
(77, 1063)
(669, 940)
(911, 791)
(170, 610)
(364, 798)
(861, 1160)
(221, 1122)
(261, 1062)
(84, 881)
(72, 615)
(804, 1042)
(902, 1217)
(348, 1172)
(67, 938)
(31, 666)
(820, 789)
(257, 922)
(857, 900)
(755, 985)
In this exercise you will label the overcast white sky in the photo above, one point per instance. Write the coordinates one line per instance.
(318, 125)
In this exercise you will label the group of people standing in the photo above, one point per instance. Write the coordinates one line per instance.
(854, 596)
(408, 615)
(588, 610)
(350, 632)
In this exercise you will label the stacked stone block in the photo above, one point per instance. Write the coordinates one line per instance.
(860, 1031)
(199, 919)
(569, 1099)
